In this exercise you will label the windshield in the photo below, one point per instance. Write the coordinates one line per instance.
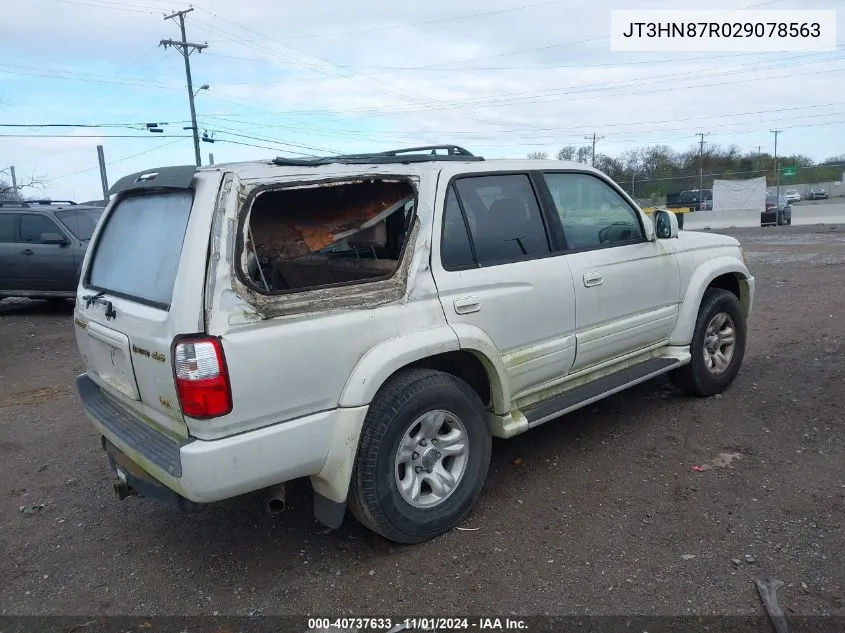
(80, 222)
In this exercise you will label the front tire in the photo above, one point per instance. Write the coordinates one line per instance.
(422, 458)
(717, 348)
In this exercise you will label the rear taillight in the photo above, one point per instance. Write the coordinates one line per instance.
(202, 381)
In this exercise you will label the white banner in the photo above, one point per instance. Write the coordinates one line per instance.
(727, 31)
(729, 195)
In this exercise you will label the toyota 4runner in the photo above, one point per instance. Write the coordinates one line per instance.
(371, 321)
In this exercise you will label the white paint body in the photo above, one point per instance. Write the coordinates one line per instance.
(302, 382)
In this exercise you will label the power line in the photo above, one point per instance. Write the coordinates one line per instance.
(656, 140)
(549, 139)
(112, 162)
(395, 27)
(270, 140)
(404, 95)
(116, 6)
(521, 97)
(72, 75)
(650, 62)
(149, 138)
(581, 93)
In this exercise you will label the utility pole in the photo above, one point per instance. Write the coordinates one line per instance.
(593, 138)
(103, 179)
(777, 169)
(701, 169)
(186, 48)
(14, 179)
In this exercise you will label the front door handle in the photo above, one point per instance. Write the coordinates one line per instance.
(593, 279)
(26, 251)
(465, 305)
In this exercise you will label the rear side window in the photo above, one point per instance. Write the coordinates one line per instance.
(138, 251)
(33, 226)
(455, 248)
(504, 218)
(7, 227)
(81, 222)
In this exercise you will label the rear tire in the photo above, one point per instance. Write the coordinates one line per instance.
(422, 458)
(717, 348)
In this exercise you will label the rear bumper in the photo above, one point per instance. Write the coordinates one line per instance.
(205, 471)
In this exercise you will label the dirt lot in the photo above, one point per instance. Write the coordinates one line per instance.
(603, 514)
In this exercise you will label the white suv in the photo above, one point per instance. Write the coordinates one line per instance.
(371, 321)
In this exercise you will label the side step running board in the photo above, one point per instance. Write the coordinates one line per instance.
(586, 394)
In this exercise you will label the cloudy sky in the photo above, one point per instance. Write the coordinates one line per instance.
(501, 77)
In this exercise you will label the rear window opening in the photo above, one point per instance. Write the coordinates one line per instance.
(328, 234)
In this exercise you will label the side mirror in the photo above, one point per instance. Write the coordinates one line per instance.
(665, 224)
(53, 238)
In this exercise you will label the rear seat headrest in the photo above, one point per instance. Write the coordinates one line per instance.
(375, 235)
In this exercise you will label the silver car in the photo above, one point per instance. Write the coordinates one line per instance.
(792, 195)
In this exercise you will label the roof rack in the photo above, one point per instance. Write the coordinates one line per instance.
(426, 153)
(33, 203)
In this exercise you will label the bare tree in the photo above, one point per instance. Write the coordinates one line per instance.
(537, 155)
(9, 192)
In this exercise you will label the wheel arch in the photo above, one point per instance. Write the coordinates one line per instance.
(724, 272)
(460, 351)
(435, 348)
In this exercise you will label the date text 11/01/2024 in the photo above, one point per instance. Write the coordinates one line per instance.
(430, 624)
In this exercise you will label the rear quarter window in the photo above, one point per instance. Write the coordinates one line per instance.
(137, 253)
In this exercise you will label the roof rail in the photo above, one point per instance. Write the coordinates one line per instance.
(426, 153)
(451, 150)
(33, 203)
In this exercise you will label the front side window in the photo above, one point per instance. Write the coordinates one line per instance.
(34, 226)
(504, 218)
(592, 213)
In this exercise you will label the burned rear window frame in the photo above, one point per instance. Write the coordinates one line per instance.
(245, 211)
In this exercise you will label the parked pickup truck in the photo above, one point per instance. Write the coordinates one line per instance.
(370, 322)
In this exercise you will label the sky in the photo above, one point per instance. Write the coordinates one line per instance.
(499, 77)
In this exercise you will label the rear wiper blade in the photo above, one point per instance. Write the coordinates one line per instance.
(89, 299)
(97, 298)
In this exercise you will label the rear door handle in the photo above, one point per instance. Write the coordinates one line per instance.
(465, 305)
(26, 251)
(593, 279)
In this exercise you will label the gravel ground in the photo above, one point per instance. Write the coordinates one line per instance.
(597, 513)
